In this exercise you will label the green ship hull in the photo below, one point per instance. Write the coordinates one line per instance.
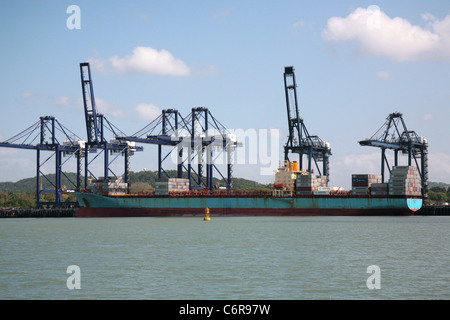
(94, 205)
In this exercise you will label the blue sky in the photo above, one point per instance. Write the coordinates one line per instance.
(230, 56)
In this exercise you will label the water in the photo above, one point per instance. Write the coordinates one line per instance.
(226, 258)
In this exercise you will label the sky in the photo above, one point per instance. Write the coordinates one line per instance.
(355, 63)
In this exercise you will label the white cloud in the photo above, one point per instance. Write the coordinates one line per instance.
(146, 60)
(62, 101)
(394, 38)
(221, 14)
(147, 112)
(98, 64)
(206, 70)
(300, 23)
(439, 167)
(362, 163)
(143, 60)
(27, 94)
(384, 74)
(428, 116)
(108, 109)
(37, 97)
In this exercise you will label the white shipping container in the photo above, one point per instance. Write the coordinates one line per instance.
(321, 193)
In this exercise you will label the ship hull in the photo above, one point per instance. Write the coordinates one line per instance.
(93, 205)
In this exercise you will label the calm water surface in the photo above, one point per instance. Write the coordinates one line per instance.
(226, 258)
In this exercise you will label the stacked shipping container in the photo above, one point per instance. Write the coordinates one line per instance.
(105, 187)
(311, 184)
(362, 182)
(379, 189)
(164, 186)
(405, 181)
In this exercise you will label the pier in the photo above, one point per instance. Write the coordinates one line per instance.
(434, 210)
(37, 213)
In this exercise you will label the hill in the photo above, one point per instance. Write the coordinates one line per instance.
(143, 180)
(438, 184)
(28, 185)
(150, 177)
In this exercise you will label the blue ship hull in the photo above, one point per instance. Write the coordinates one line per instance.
(94, 205)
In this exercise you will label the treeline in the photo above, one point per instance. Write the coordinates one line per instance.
(438, 195)
(27, 200)
(22, 194)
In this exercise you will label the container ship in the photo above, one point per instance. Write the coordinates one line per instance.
(295, 193)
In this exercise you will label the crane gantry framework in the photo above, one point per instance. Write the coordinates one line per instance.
(49, 135)
(195, 138)
(299, 140)
(207, 136)
(394, 135)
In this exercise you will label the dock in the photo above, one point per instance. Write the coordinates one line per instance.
(37, 213)
(433, 210)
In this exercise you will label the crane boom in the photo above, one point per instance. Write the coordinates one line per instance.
(299, 140)
(93, 119)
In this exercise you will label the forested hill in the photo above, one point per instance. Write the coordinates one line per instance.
(144, 180)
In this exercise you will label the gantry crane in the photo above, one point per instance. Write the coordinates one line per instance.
(43, 136)
(299, 140)
(193, 136)
(175, 131)
(395, 136)
(96, 124)
(209, 135)
(162, 131)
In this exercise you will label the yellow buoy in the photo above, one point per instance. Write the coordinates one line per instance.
(206, 218)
